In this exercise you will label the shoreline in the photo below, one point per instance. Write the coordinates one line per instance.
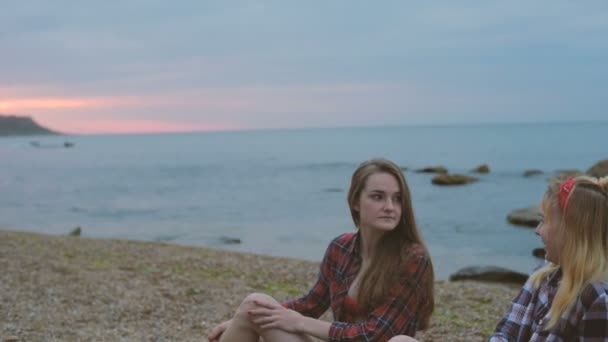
(73, 288)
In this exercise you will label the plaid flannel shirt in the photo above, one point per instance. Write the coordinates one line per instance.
(398, 314)
(587, 320)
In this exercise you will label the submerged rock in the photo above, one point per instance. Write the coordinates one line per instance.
(532, 172)
(529, 217)
(433, 169)
(455, 179)
(489, 273)
(229, 240)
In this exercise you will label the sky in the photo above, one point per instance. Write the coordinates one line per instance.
(192, 65)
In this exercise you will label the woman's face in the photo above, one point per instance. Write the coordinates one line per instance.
(379, 205)
(550, 233)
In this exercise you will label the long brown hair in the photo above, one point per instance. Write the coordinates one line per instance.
(584, 225)
(393, 251)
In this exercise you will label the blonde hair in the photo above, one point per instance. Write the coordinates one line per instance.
(392, 252)
(584, 225)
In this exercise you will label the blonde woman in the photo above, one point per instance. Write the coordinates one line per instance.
(567, 299)
(377, 281)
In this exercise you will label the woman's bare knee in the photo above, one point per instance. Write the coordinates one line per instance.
(402, 338)
(242, 316)
(249, 302)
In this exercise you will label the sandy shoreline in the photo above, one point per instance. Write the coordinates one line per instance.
(59, 288)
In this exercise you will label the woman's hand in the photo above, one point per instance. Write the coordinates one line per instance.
(219, 329)
(275, 316)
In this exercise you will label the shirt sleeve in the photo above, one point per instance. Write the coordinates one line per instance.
(317, 300)
(594, 323)
(512, 322)
(397, 315)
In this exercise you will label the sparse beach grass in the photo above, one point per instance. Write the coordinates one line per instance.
(62, 288)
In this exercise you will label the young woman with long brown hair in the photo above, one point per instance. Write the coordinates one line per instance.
(567, 299)
(378, 281)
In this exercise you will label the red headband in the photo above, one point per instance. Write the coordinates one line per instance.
(564, 192)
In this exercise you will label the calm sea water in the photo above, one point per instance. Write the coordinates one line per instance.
(283, 192)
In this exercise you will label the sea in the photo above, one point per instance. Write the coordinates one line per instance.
(283, 192)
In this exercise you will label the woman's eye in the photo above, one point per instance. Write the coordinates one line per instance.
(376, 197)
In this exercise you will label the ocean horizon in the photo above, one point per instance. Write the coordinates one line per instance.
(282, 192)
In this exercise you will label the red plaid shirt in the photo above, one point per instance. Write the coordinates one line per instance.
(397, 315)
(586, 321)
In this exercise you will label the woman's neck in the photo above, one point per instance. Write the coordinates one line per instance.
(369, 242)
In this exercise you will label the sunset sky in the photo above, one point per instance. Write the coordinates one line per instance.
(147, 66)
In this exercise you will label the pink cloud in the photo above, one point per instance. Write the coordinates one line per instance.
(223, 108)
(100, 126)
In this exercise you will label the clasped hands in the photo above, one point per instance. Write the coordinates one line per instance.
(264, 316)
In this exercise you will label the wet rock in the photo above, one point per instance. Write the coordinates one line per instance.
(229, 240)
(484, 168)
(75, 232)
(489, 273)
(455, 179)
(532, 172)
(529, 217)
(599, 169)
(433, 169)
(539, 252)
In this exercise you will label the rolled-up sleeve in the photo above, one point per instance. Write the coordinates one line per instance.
(317, 300)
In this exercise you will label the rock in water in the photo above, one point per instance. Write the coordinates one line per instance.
(433, 169)
(532, 172)
(229, 240)
(482, 169)
(529, 217)
(489, 273)
(539, 252)
(599, 169)
(76, 231)
(454, 179)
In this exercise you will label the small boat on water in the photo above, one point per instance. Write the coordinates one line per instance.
(66, 144)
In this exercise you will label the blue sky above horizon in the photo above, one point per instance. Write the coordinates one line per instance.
(138, 66)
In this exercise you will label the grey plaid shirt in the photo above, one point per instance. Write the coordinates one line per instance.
(529, 312)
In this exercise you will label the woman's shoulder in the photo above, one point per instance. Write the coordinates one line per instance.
(594, 292)
(416, 252)
(343, 240)
(417, 260)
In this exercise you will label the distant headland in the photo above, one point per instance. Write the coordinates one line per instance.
(12, 125)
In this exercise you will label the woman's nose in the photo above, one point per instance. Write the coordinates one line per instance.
(389, 204)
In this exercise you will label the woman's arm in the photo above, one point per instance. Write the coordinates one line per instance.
(514, 318)
(271, 316)
(317, 300)
(594, 323)
(397, 315)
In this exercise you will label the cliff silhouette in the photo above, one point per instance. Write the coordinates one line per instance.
(21, 125)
